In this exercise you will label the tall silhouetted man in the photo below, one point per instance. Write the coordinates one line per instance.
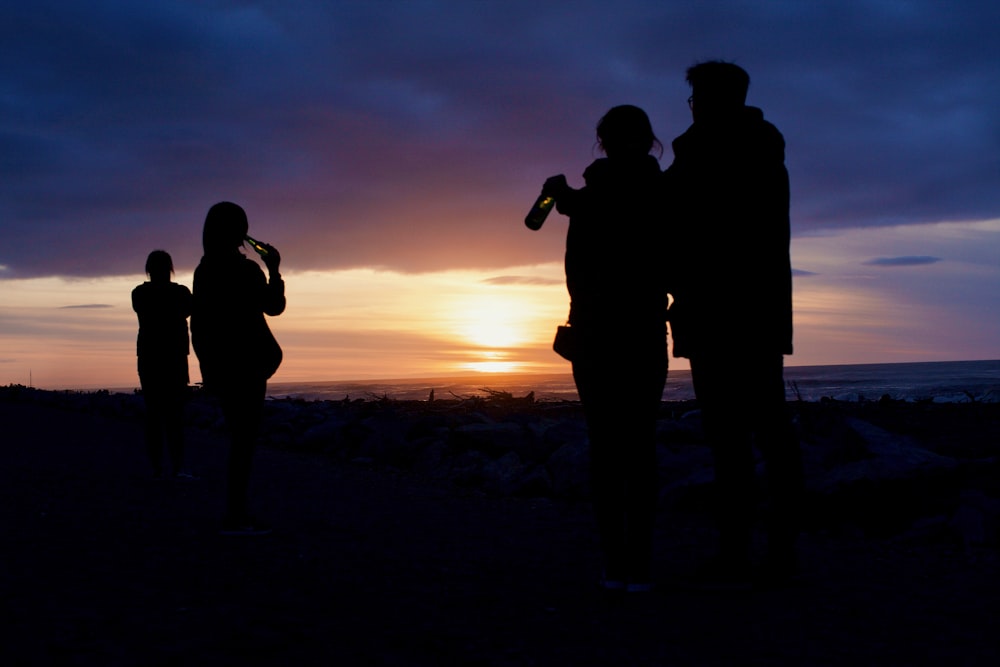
(732, 311)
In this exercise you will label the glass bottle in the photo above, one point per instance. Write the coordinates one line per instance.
(256, 245)
(536, 216)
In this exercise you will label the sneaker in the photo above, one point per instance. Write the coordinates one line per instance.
(244, 528)
(185, 477)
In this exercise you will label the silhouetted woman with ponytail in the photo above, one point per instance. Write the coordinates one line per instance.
(162, 348)
(618, 301)
(236, 350)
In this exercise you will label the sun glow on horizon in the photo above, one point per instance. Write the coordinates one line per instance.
(373, 324)
(493, 367)
(495, 362)
(492, 321)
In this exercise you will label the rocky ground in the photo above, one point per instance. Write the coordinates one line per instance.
(457, 532)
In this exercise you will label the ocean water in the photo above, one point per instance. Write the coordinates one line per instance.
(946, 381)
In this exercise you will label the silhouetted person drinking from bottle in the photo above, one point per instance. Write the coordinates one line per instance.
(618, 302)
(236, 350)
(728, 194)
(162, 348)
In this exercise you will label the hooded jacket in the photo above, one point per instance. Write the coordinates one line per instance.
(228, 330)
(163, 309)
(614, 246)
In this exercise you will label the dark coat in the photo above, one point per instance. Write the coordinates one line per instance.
(614, 246)
(228, 329)
(728, 194)
(162, 344)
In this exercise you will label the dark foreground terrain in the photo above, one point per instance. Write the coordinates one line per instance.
(458, 533)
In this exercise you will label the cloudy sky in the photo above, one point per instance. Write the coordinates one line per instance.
(390, 150)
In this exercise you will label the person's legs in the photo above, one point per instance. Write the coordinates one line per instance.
(242, 405)
(152, 398)
(173, 426)
(621, 391)
(727, 427)
(639, 444)
(606, 469)
(775, 437)
(640, 498)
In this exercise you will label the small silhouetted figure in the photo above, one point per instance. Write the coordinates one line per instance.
(162, 349)
(618, 302)
(236, 350)
(732, 311)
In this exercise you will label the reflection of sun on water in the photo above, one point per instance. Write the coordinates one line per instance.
(495, 364)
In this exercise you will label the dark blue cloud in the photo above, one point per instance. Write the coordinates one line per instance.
(413, 135)
(911, 260)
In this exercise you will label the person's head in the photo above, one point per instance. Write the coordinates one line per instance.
(626, 130)
(225, 228)
(718, 89)
(159, 266)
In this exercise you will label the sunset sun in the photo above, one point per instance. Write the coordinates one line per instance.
(495, 323)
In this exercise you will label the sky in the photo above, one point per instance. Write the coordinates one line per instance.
(390, 150)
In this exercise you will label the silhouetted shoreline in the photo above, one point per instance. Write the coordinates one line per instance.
(425, 533)
(515, 446)
(940, 381)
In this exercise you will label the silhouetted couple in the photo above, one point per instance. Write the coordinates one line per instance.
(236, 350)
(713, 232)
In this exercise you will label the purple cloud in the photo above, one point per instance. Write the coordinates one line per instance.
(413, 136)
(911, 260)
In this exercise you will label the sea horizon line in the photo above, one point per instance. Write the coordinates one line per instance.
(474, 377)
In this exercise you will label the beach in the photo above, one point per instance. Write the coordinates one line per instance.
(458, 532)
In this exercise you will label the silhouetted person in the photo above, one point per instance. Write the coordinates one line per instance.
(732, 310)
(618, 301)
(236, 350)
(162, 349)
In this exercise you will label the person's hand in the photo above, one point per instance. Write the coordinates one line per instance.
(555, 186)
(272, 259)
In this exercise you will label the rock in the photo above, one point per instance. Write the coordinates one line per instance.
(430, 460)
(503, 475)
(977, 519)
(491, 439)
(679, 462)
(322, 435)
(467, 468)
(569, 469)
(427, 425)
(992, 396)
(535, 483)
(828, 442)
(568, 431)
(884, 456)
(543, 444)
(384, 441)
(958, 397)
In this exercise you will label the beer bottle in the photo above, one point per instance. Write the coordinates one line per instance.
(256, 245)
(536, 216)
